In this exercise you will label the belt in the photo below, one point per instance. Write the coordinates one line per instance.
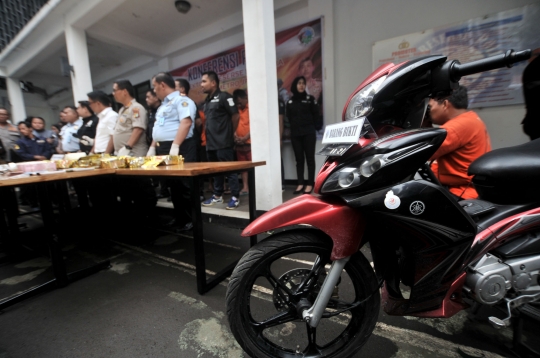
(163, 142)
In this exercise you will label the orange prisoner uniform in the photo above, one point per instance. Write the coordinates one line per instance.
(467, 139)
(243, 123)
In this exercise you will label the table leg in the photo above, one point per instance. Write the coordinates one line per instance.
(252, 202)
(62, 277)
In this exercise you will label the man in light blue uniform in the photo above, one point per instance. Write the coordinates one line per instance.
(70, 143)
(173, 135)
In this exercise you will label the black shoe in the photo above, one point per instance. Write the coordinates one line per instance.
(301, 190)
(308, 192)
(187, 227)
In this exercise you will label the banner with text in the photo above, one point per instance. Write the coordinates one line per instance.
(471, 40)
(298, 53)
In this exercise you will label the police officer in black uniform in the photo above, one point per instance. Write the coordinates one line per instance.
(87, 132)
(303, 114)
(221, 122)
(30, 148)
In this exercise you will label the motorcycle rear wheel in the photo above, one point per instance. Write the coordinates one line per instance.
(276, 275)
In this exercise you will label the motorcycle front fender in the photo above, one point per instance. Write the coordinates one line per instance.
(344, 225)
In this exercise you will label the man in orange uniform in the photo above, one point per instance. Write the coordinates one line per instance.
(467, 139)
(242, 139)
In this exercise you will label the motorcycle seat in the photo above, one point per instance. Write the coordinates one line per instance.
(508, 175)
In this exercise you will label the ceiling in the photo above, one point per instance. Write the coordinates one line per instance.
(158, 21)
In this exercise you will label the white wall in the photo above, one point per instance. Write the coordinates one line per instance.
(359, 24)
(35, 106)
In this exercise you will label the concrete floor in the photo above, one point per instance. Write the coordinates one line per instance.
(147, 305)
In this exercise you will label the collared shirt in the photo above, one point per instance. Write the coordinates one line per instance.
(168, 116)
(9, 135)
(105, 129)
(26, 148)
(69, 142)
(219, 109)
(131, 116)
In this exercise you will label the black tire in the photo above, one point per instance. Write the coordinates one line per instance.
(256, 267)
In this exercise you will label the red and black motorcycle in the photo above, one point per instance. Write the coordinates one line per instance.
(375, 187)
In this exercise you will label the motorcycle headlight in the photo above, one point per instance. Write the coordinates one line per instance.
(360, 104)
(359, 171)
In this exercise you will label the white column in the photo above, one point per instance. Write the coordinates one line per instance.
(16, 99)
(260, 42)
(164, 64)
(81, 78)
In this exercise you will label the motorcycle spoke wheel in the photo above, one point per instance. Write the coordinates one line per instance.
(278, 279)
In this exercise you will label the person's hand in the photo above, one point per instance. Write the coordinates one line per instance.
(175, 149)
(50, 140)
(86, 140)
(124, 152)
(151, 152)
(39, 157)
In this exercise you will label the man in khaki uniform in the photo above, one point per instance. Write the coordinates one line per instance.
(128, 137)
(137, 196)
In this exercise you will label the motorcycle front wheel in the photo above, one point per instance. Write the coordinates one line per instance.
(280, 277)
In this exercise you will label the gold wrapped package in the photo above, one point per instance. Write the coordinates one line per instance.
(112, 163)
(64, 163)
(137, 162)
(152, 163)
(168, 159)
(93, 160)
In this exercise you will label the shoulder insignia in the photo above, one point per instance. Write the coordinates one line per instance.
(16, 147)
(315, 101)
(290, 101)
(231, 102)
(184, 104)
(136, 112)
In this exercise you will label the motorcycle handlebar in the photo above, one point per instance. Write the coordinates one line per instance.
(507, 59)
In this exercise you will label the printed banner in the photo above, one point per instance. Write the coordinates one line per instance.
(298, 53)
(471, 40)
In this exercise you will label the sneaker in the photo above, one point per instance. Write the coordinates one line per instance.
(213, 200)
(233, 203)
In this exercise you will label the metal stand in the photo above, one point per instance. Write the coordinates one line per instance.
(204, 285)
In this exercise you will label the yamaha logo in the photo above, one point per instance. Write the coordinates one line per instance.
(417, 207)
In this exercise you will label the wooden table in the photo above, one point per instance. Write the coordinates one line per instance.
(61, 277)
(194, 172)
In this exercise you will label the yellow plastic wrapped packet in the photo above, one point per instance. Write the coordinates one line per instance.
(172, 160)
(112, 163)
(64, 164)
(137, 162)
(152, 163)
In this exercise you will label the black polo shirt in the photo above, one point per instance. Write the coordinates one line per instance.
(218, 110)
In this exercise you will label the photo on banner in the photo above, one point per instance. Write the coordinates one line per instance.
(298, 53)
(472, 40)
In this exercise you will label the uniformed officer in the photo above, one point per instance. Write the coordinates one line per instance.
(29, 147)
(173, 135)
(70, 143)
(129, 130)
(221, 122)
(129, 139)
(87, 132)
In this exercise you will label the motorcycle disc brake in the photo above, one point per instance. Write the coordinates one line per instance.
(292, 279)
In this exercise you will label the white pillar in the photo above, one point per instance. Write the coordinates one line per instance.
(16, 99)
(260, 42)
(81, 79)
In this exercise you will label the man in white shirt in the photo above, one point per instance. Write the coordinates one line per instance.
(101, 104)
(70, 143)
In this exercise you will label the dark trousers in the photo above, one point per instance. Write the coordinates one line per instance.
(224, 155)
(304, 146)
(180, 188)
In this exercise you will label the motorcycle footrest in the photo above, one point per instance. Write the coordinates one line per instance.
(531, 311)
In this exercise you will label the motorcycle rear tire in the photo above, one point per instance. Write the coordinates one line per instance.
(362, 318)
